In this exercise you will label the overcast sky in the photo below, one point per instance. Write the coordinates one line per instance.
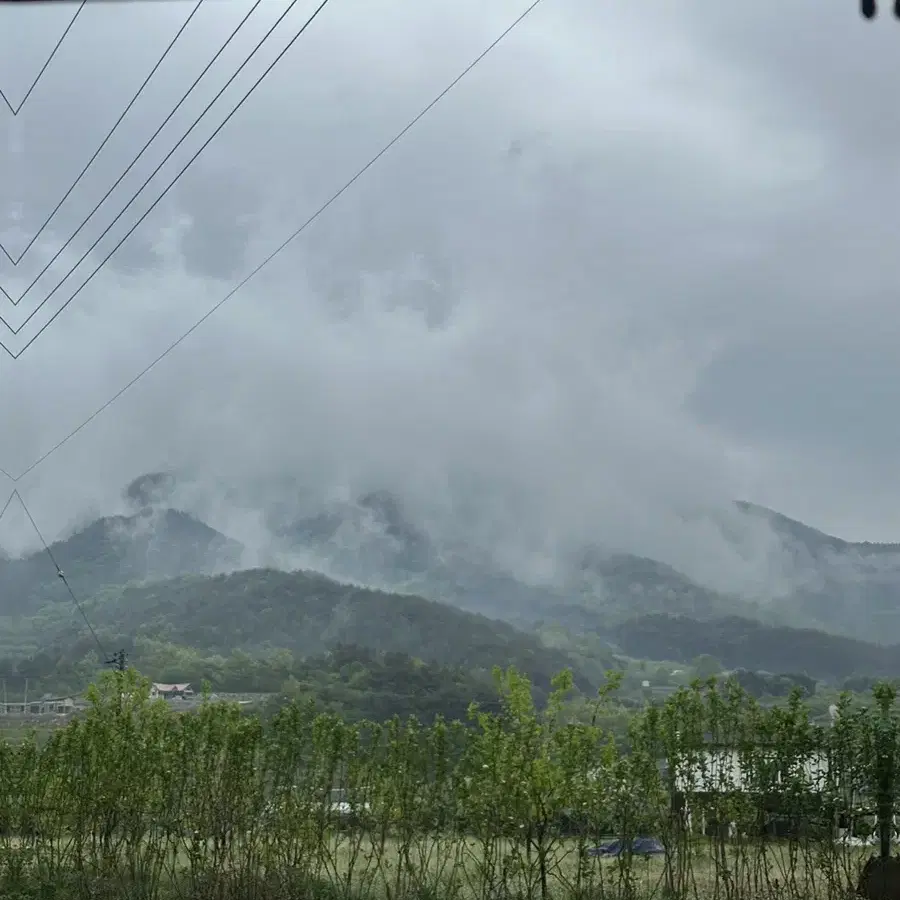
(641, 261)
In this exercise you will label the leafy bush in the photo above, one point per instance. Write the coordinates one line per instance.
(134, 800)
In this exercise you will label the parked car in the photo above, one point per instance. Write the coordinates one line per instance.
(337, 806)
(640, 846)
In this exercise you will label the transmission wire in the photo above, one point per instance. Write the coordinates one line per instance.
(60, 574)
(152, 175)
(178, 341)
(15, 110)
(9, 500)
(90, 162)
(121, 177)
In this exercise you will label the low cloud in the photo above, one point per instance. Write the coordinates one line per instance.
(508, 342)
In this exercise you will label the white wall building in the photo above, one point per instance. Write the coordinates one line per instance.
(720, 771)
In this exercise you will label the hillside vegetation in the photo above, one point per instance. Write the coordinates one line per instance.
(260, 610)
(744, 643)
(114, 551)
(152, 575)
(352, 681)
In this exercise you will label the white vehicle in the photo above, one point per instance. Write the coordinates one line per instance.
(337, 805)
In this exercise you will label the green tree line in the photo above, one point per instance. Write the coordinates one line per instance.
(134, 800)
(353, 681)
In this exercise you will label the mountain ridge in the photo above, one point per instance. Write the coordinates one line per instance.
(848, 590)
(113, 550)
(812, 538)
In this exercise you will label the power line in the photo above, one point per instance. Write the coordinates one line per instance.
(61, 575)
(90, 162)
(15, 110)
(252, 274)
(153, 174)
(9, 500)
(131, 165)
(118, 659)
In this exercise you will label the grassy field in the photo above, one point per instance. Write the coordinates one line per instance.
(462, 868)
(16, 730)
(351, 864)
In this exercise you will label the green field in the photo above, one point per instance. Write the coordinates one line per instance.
(358, 864)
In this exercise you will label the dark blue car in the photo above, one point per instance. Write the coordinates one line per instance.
(640, 846)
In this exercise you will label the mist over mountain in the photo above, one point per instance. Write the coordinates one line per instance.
(152, 543)
(845, 587)
(816, 543)
(823, 582)
(500, 371)
(820, 581)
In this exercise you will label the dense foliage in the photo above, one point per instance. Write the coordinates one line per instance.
(740, 642)
(350, 680)
(258, 612)
(306, 613)
(114, 551)
(133, 800)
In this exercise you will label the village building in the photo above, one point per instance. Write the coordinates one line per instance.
(718, 773)
(43, 706)
(161, 691)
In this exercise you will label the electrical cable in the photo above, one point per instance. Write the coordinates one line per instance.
(16, 495)
(9, 500)
(131, 165)
(61, 575)
(118, 658)
(219, 304)
(153, 174)
(15, 109)
(97, 152)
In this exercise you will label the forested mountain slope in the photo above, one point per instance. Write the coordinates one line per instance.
(260, 609)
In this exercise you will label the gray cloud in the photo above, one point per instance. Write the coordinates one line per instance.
(221, 207)
(630, 319)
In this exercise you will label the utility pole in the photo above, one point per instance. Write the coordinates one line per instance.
(118, 661)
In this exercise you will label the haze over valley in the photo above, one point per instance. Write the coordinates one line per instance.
(366, 573)
(595, 363)
(440, 441)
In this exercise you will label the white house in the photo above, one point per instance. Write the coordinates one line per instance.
(171, 691)
(719, 771)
